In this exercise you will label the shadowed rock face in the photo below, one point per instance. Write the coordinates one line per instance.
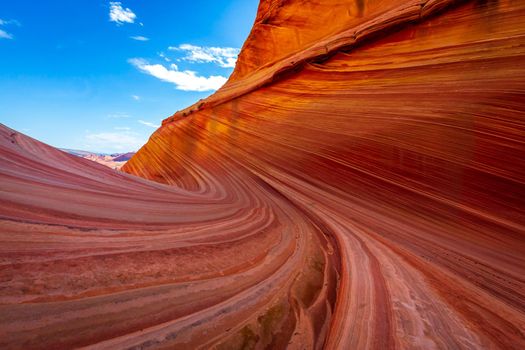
(370, 196)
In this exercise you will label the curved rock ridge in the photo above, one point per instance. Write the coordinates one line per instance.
(290, 33)
(91, 256)
(374, 199)
(408, 150)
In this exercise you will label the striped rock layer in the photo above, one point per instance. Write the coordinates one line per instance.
(358, 183)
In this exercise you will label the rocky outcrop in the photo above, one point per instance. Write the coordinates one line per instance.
(369, 195)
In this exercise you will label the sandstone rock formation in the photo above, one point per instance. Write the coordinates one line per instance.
(358, 183)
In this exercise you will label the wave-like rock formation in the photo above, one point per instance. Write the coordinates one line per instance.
(359, 183)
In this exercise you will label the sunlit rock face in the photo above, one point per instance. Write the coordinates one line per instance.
(369, 195)
(283, 28)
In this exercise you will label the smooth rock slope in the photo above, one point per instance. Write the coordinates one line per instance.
(359, 183)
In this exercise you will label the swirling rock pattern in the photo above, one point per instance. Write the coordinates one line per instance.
(367, 192)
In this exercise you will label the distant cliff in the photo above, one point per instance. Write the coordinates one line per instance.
(114, 161)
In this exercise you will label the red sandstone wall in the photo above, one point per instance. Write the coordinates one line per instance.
(371, 198)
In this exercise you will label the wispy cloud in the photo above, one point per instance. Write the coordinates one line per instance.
(5, 35)
(4, 22)
(139, 38)
(118, 115)
(124, 128)
(151, 125)
(164, 57)
(120, 15)
(114, 141)
(222, 56)
(135, 97)
(184, 80)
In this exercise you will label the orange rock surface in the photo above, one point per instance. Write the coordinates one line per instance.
(359, 183)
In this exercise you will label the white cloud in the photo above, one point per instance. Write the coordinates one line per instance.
(222, 56)
(184, 80)
(135, 97)
(162, 55)
(114, 141)
(119, 14)
(151, 125)
(5, 35)
(139, 38)
(118, 115)
(4, 22)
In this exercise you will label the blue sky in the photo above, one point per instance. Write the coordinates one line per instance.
(101, 75)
